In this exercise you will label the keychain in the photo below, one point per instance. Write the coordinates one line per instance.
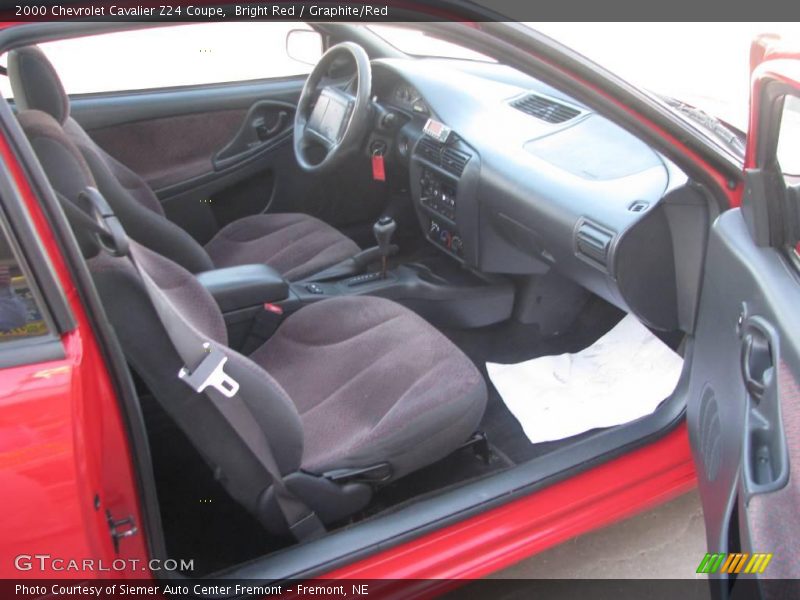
(378, 170)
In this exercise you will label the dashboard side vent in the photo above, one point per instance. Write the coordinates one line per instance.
(593, 243)
(545, 109)
(454, 161)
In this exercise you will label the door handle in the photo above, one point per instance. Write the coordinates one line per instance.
(765, 453)
(757, 364)
(264, 132)
(266, 122)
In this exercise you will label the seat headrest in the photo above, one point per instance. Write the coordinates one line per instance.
(60, 158)
(36, 84)
(63, 163)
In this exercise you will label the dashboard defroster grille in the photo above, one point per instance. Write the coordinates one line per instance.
(545, 109)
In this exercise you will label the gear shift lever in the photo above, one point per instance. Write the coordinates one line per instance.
(383, 230)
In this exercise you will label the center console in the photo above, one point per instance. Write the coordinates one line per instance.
(255, 298)
(444, 174)
(241, 293)
(438, 196)
(437, 288)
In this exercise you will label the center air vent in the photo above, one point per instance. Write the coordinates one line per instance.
(592, 243)
(454, 161)
(430, 149)
(447, 157)
(545, 109)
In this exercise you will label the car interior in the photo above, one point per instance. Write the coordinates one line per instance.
(357, 249)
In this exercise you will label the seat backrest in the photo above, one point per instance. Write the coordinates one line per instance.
(147, 347)
(36, 86)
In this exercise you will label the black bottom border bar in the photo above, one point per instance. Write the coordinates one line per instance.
(385, 589)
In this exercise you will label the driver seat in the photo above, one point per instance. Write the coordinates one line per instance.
(296, 245)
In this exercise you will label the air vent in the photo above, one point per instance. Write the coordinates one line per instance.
(545, 109)
(592, 242)
(448, 158)
(454, 161)
(430, 149)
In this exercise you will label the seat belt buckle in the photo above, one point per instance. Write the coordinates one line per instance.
(210, 373)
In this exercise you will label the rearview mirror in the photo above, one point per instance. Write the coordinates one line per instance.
(304, 45)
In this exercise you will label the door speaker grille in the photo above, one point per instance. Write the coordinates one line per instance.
(710, 434)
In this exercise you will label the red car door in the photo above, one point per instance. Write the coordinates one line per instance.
(744, 407)
(68, 502)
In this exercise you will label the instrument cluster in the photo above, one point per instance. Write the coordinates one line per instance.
(406, 96)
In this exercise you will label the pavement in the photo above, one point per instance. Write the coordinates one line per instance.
(664, 543)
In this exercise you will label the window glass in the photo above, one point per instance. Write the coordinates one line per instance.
(171, 56)
(20, 313)
(789, 139)
(788, 155)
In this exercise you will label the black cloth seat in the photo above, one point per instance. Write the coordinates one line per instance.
(296, 245)
(345, 383)
(383, 384)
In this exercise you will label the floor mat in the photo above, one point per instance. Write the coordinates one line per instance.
(621, 377)
(511, 342)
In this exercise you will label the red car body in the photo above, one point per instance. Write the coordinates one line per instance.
(63, 438)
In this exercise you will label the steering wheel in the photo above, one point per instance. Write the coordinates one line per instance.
(332, 119)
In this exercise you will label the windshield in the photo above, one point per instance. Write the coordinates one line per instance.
(706, 65)
(418, 43)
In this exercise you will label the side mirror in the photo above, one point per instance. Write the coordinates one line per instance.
(304, 45)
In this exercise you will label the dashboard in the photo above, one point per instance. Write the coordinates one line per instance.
(509, 175)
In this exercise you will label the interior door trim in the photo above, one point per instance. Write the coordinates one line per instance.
(238, 150)
(94, 111)
(175, 189)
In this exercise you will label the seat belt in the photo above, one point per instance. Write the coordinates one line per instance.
(204, 370)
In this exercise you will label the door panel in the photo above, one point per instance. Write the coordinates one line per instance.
(214, 154)
(170, 137)
(195, 145)
(264, 123)
(170, 150)
(744, 404)
(204, 112)
(743, 414)
(96, 111)
(772, 517)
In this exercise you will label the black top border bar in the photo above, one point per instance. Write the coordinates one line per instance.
(399, 10)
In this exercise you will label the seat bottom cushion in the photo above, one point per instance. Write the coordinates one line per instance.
(373, 382)
(294, 244)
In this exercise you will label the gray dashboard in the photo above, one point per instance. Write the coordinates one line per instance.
(531, 180)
